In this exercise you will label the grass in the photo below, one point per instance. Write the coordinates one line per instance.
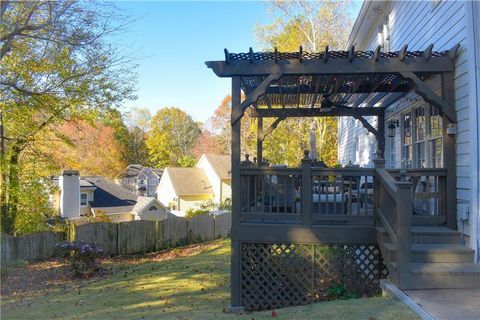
(189, 287)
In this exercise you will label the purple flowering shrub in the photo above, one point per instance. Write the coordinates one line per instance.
(81, 255)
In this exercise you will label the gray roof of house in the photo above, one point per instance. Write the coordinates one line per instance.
(132, 171)
(83, 183)
(143, 202)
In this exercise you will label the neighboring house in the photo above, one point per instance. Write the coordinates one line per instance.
(183, 188)
(419, 132)
(217, 168)
(141, 180)
(78, 196)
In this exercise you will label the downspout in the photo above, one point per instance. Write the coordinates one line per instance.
(472, 11)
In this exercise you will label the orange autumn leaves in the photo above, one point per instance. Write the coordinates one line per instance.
(90, 148)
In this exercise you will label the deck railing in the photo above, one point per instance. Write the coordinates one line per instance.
(394, 209)
(270, 194)
(307, 195)
(429, 190)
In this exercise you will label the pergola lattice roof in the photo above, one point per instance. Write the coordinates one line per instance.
(306, 83)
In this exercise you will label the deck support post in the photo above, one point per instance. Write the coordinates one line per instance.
(404, 213)
(260, 138)
(306, 191)
(449, 153)
(378, 163)
(236, 299)
(381, 135)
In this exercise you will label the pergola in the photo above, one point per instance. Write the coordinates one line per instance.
(358, 84)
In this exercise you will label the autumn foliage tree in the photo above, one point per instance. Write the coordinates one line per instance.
(58, 61)
(91, 148)
(312, 25)
(171, 138)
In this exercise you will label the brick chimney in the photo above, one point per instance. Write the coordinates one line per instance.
(69, 183)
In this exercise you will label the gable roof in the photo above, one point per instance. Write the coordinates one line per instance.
(189, 181)
(143, 202)
(221, 164)
(151, 172)
(132, 171)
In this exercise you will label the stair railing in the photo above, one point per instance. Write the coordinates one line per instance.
(394, 209)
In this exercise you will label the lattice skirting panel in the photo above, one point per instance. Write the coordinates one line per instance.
(280, 275)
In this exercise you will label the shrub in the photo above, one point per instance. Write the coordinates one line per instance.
(340, 291)
(190, 213)
(81, 255)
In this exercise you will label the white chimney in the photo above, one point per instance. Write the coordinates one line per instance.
(69, 194)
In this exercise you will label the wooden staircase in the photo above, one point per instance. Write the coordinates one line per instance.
(418, 252)
(438, 260)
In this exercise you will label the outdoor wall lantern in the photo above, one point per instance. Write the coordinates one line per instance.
(391, 128)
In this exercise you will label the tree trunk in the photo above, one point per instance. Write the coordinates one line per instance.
(8, 221)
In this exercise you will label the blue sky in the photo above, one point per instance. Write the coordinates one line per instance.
(174, 39)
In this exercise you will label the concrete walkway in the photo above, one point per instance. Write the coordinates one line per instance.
(449, 304)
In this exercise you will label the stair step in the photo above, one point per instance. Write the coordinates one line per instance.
(441, 253)
(445, 268)
(431, 253)
(439, 276)
(434, 235)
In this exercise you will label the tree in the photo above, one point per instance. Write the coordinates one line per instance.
(312, 25)
(219, 125)
(137, 121)
(58, 61)
(92, 149)
(171, 138)
(208, 142)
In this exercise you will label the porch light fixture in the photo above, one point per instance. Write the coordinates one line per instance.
(391, 128)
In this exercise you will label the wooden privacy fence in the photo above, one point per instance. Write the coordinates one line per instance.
(130, 237)
(141, 236)
(34, 246)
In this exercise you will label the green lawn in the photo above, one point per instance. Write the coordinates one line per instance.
(190, 287)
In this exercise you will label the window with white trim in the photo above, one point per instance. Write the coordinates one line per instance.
(83, 199)
(406, 140)
(422, 138)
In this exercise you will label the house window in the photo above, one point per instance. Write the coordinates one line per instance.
(422, 142)
(152, 208)
(83, 199)
(391, 141)
(419, 137)
(434, 137)
(406, 140)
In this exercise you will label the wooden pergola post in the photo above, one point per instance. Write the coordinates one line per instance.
(259, 141)
(236, 302)
(449, 153)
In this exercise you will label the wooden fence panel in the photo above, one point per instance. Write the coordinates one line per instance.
(172, 231)
(7, 249)
(38, 245)
(223, 223)
(201, 227)
(103, 234)
(137, 236)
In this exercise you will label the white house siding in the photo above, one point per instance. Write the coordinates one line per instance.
(165, 191)
(226, 188)
(355, 143)
(419, 24)
(212, 177)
